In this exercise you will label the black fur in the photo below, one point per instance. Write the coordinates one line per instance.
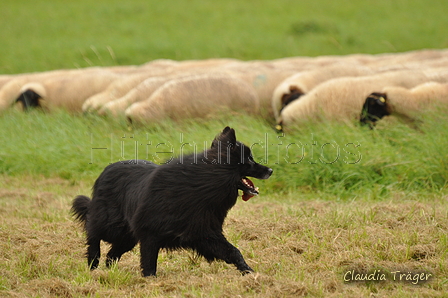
(375, 108)
(29, 99)
(181, 204)
(81, 205)
(294, 94)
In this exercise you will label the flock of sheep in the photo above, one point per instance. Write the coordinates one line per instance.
(292, 91)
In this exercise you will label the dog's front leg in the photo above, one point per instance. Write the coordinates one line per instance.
(149, 251)
(221, 249)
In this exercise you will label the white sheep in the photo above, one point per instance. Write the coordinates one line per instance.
(117, 89)
(4, 79)
(405, 103)
(263, 76)
(12, 89)
(301, 83)
(342, 99)
(310, 63)
(196, 96)
(68, 91)
(203, 64)
(139, 93)
(156, 68)
(12, 86)
(385, 60)
(417, 60)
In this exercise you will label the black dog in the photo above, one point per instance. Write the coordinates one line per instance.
(181, 204)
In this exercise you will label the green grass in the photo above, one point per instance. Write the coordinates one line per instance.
(327, 158)
(61, 34)
(341, 198)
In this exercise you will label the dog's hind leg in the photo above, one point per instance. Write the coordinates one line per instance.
(119, 248)
(221, 249)
(93, 252)
(149, 251)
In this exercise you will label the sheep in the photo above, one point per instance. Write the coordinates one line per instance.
(156, 68)
(194, 97)
(309, 63)
(4, 79)
(12, 89)
(31, 95)
(204, 63)
(69, 91)
(262, 76)
(402, 102)
(141, 92)
(410, 60)
(384, 60)
(301, 83)
(116, 90)
(188, 64)
(342, 98)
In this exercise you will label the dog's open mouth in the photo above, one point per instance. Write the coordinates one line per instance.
(248, 188)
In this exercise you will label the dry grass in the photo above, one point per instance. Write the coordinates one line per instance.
(298, 247)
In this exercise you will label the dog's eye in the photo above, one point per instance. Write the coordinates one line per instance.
(251, 159)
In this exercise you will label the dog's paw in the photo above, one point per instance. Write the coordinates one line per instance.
(247, 271)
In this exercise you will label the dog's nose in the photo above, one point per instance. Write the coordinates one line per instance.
(269, 173)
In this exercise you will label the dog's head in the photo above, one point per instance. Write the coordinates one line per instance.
(236, 154)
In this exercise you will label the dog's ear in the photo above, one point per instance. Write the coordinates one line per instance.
(226, 130)
(227, 136)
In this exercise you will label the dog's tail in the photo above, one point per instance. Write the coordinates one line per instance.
(80, 207)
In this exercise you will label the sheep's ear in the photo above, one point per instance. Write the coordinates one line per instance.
(227, 136)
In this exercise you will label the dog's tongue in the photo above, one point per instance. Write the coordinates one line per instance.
(247, 196)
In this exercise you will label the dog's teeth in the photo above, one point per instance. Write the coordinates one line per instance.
(247, 184)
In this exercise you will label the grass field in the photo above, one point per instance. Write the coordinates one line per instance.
(57, 34)
(344, 202)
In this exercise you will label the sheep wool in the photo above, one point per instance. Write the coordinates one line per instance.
(141, 92)
(409, 103)
(196, 96)
(264, 77)
(116, 90)
(69, 92)
(11, 89)
(156, 68)
(301, 83)
(342, 99)
(5, 79)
